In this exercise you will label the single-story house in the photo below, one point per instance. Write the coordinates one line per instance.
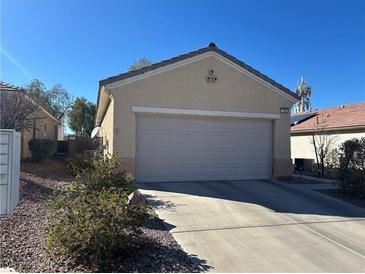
(44, 124)
(203, 115)
(340, 123)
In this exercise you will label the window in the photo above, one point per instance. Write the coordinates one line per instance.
(45, 131)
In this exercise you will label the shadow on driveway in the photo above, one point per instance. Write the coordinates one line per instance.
(274, 196)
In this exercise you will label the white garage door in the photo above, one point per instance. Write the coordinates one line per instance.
(181, 148)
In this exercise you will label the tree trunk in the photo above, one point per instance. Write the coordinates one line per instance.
(322, 162)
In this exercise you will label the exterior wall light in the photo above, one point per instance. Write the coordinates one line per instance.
(284, 110)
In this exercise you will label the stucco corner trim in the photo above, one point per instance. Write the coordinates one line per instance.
(197, 112)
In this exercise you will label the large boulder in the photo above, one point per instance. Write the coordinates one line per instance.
(136, 198)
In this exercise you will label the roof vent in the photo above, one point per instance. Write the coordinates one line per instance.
(212, 45)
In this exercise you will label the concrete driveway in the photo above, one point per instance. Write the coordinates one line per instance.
(260, 226)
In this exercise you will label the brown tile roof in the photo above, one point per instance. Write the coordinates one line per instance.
(5, 86)
(336, 117)
(211, 47)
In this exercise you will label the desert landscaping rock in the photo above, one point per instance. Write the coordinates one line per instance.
(136, 198)
(23, 246)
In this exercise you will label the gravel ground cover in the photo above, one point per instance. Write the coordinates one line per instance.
(22, 235)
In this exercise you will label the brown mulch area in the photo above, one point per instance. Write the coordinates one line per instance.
(22, 234)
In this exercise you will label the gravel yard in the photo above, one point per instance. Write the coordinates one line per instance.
(22, 237)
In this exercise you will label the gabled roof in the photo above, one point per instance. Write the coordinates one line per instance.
(335, 118)
(12, 88)
(210, 48)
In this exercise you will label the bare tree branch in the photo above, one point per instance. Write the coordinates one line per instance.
(322, 142)
(16, 107)
(56, 100)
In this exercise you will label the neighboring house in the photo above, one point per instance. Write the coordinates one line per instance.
(340, 122)
(203, 115)
(45, 125)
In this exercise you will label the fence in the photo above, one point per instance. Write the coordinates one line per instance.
(79, 145)
(9, 170)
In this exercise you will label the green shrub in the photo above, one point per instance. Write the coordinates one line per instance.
(92, 218)
(106, 172)
(42, 148)
(97, 172)
(352, 165)
(94, 225)
(77, 164)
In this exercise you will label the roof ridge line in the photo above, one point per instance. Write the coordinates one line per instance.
(339, 105)
(211, 47)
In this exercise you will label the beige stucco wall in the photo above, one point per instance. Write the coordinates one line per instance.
(186, 87)
(282, 164)
(42, 131)
(107, 127)
(301, 146)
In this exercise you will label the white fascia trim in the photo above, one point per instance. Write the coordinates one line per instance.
(198, 112)
(103, 92)
(195, 59)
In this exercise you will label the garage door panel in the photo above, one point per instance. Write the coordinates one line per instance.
(194, 173)
(186, 148)
(147, 123)
(147, 156)
(197, 140)
(165, 140)
(202, 158)
(146, 139)
(165, 156)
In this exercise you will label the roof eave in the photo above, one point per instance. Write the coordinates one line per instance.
(339, 128)
(100, 113)
(123, 76)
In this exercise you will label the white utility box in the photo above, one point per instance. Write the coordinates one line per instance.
(9, 170)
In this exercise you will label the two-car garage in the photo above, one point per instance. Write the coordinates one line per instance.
(199, 116)
(184, 148)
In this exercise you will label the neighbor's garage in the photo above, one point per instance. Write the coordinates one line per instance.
(185, 148)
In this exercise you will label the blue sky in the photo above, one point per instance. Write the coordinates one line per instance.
(78, 43)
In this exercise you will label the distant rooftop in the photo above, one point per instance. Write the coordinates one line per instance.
(300, 117)
(336, 117)
(5, 86)
(9, 87)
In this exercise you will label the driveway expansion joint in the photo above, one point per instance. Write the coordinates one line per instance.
(266, 226)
